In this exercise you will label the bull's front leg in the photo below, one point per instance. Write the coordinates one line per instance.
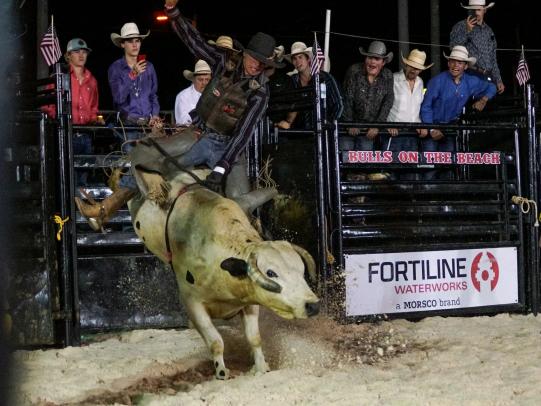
(203, 323)
(250, 319)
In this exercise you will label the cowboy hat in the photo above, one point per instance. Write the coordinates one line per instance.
(460, 53)
(261, 47)
(201, 68)
(377, 49)
(477, 4)
(128, 31)
(416, 59)
(279, 53)
(299, 48)
(224, 42)
(76, 44)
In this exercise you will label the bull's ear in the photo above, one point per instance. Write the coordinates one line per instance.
(236, 267)
(152, 185)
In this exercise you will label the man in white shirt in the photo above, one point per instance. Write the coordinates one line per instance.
(408, 96)
(187, 99)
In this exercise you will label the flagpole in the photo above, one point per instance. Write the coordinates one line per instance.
(327, 63)
(322, 221)
(52, 30)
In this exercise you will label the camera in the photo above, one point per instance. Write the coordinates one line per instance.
(471, 13)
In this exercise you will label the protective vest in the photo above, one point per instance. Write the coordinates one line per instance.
(223, 102)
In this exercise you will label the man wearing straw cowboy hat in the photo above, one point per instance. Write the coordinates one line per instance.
(408, 96)
(231, 104)
(187, 99)
(301, 58)
(134, 88)
(475, 34)
(229, 45)
(447, 94)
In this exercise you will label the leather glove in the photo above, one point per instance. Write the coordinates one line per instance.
(215, 182)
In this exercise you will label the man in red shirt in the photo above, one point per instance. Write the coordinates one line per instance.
(84, 99)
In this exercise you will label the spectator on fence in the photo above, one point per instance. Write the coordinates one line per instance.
(187, 99)
(301, 58)
(447, 94)
(475, 34)
(134, 88)
(408, 96)
(368, 95)
(84, 100)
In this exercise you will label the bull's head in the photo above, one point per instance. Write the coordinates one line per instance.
(277, 270)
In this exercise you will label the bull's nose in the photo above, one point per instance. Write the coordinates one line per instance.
(312, 309)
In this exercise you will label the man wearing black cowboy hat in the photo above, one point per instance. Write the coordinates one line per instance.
(231, 104)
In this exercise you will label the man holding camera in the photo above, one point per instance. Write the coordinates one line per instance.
(475, 34)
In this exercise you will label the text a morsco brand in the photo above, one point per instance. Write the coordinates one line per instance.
(422, 271)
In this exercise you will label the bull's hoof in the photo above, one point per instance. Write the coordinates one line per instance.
(222, 374)
(260, 369)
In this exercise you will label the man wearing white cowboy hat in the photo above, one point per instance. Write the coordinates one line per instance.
(230, 106)
(134, 87)
(447, 94)
(368, 95)
(187, 99)
(475, 34)
(301, 57)
(408, 96)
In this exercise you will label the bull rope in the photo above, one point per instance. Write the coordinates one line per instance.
(525, 204)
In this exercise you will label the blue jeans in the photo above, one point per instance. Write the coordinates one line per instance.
(357, 143)
(82, 145)
(446, 144)
(207, 151)
(128, 180)
(397, 144)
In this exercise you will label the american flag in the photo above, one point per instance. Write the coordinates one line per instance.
(50, 47)
(523, 73)
(318, 58)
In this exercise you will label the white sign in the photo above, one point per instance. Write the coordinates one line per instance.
(430, 280)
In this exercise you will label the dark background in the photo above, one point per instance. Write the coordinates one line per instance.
(513, 22)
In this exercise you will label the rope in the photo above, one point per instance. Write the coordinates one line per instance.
(58, 220)
(525, 207)
(427, 44)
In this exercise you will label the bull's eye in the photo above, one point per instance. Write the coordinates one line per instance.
(271, 274)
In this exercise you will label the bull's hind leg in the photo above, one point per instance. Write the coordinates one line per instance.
(250, 319)
(203, 323)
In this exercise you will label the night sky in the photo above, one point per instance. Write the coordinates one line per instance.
(512, 21)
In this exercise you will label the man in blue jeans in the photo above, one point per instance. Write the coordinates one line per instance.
(446, 96)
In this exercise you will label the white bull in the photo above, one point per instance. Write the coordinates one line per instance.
(222, 265)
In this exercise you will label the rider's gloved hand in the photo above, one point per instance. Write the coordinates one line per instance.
(216, 180)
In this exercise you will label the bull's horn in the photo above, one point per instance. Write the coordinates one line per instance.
(308, 260)
(255, 274)
(252, 200)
